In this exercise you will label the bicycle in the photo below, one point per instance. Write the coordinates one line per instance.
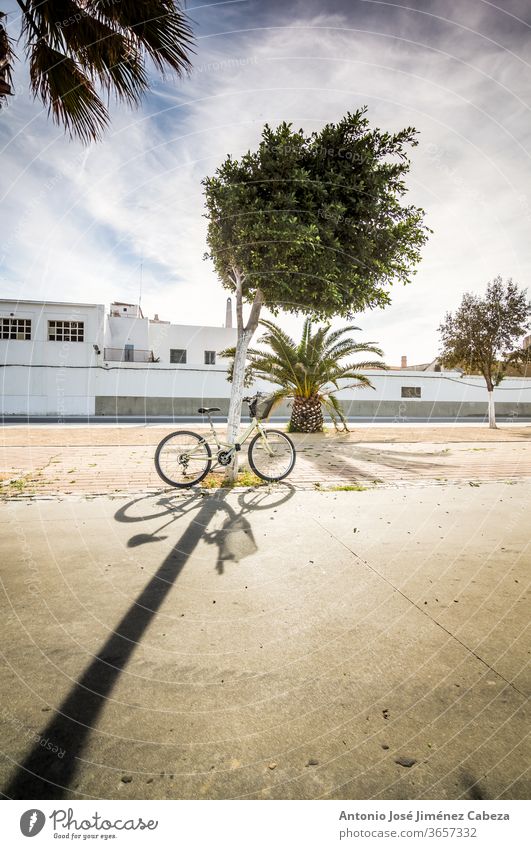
(184, 458)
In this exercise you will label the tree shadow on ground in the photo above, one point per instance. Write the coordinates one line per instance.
(351, 457)
(44, 775)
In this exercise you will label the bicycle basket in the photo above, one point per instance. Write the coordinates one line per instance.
(264, 406)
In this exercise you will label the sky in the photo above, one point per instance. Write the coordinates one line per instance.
(124, 218)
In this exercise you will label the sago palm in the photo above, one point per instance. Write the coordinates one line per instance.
(312, 371)
(80, 49)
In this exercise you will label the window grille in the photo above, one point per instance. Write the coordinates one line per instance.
(411, 392)
(66, 331)
(16, 328)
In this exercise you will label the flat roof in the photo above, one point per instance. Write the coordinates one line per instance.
(49, 303)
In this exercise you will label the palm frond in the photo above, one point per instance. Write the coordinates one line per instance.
(277, 334)
(335, 409)
(334, 335)
(346, 347)
(75, 46)
(160, 27)
(69, 94)
(360, 380)
(6, 61)
(306, 333)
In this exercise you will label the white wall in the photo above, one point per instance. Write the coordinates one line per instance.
(57, 378)
(162, 381)
(68, 391)
(438, 386)
(194, 340)
(40, 350)
(28, 384)
(127, 330)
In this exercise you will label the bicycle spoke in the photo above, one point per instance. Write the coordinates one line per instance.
(272, 455)
(182, 459)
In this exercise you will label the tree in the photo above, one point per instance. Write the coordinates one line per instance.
(312, 224)
(481, 336)
(309, 372)
(75, 48)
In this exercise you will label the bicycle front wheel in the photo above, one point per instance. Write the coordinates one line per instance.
(183, 458)
(271, 455)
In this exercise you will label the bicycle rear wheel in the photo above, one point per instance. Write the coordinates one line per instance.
(271, 455)
(183, 458)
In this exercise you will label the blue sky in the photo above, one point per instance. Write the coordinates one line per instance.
(77, 223)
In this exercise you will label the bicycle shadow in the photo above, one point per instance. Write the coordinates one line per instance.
(44, 775)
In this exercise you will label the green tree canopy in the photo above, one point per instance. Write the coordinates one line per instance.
(77, 49)
(316, 223)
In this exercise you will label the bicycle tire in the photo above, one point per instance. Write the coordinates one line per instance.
(255, 469)
(165, 477)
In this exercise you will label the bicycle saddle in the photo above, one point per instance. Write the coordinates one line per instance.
(209, 409)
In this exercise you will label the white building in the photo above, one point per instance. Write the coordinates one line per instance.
(71, 359)
(66, 359)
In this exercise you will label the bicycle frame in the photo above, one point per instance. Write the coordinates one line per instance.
(232, 447)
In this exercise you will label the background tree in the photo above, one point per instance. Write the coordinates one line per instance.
(483, 333)
(309, 372)
(75, 47)
(312, 224)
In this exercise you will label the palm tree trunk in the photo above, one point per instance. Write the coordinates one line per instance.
(307, 415)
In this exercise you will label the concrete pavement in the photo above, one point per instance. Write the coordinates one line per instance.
(275, 643)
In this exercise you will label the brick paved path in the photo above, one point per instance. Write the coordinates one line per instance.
(105, 460)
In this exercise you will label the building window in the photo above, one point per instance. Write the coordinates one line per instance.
(66, 331)
(210, 358)
(16, 328)
(410, 392)
(177, 355)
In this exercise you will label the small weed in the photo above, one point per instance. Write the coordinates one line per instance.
(216, 480)
(19, 485)
(476, 449)
(212, 481)
(473, 483)
(348, 487)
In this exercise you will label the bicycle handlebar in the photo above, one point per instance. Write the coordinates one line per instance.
(252, 398)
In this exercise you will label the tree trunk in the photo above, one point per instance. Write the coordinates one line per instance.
(245, 334)
(492, 410)
(306, 416)
(235, 406)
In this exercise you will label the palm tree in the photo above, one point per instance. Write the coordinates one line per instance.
(5, 65)
(83, 48)
(312, 371)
